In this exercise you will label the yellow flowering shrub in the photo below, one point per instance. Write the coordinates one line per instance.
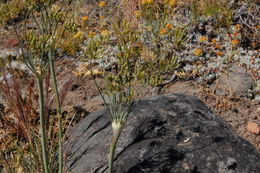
(102, 4)
(213, 40)
(84, 18)
(163, 31)
(202, 39)
(235, 42)
(104, 33)
(237, 27)
(82, 70)
(197, 52)
(78, 35)
(219, 53)
(169, 26)
(91, 34)
(146, 2)
(138, 13)
(172, 2)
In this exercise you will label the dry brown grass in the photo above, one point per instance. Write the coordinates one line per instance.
(19, 121)
(20, 115)
(128, 8)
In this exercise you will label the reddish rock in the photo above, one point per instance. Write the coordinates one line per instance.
(253, 127)
(13, 41)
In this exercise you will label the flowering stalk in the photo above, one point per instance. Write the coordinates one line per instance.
(58, 104)
(42, 125)
(117, 129)
(119, 111)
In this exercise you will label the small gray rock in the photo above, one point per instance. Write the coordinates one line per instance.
(13, 52)
(236, 81)
(164, 134)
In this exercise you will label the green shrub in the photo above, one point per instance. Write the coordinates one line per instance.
(219, 10)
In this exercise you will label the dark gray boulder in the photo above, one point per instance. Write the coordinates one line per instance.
(167, 134)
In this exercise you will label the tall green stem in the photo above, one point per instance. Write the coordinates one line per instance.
(58, 103)
(117, 129)
(42, 125)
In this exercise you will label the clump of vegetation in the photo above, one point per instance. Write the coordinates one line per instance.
(21, 126)
(13, 10)
(10, 10)
(43, 151)
(130, 66)
(218, 10)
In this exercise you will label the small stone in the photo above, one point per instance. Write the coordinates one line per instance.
(13, 42)
(257, 98)
(236, 80)
(186, 140)
(253, 127)
(185, 166)
(13, 52)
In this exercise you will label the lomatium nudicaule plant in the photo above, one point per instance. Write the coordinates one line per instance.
(39, 47)
(126, 69)
(37, 55)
